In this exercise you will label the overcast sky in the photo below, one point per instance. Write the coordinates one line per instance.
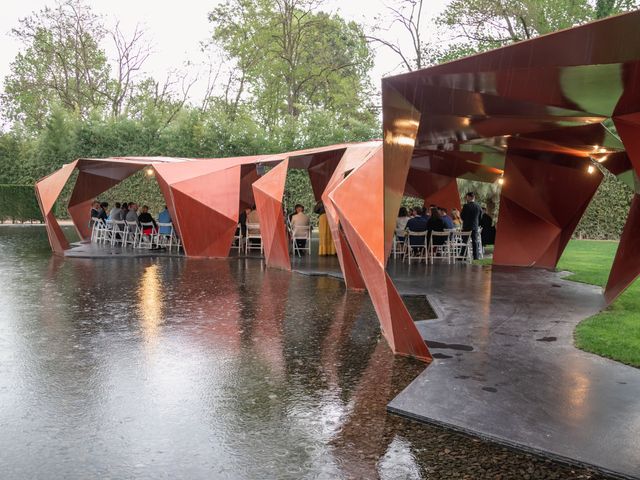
(175, 29)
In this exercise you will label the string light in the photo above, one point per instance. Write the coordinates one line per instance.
(149, 171)
(591, 169)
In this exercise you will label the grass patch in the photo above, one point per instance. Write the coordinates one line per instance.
(615, 332)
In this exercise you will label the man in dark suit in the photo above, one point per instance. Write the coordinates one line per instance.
(471, 214)
(417, 224)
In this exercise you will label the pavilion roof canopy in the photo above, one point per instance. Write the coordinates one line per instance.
(298, 159)
(548, 93)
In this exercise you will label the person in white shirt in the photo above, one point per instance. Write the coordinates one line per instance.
(401, 223)
(299, 219)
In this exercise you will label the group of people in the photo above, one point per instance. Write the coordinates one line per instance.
(436, 219)
(296, 221)
(131, 212)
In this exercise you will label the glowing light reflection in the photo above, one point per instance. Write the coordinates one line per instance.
(150, 301)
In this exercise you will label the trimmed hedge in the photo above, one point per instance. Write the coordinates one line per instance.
(607, 213)
(18, 203)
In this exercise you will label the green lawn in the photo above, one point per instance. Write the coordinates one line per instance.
(614, 332)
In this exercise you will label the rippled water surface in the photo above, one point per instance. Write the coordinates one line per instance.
(179, 368)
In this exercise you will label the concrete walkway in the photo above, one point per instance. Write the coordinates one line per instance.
(506, 369)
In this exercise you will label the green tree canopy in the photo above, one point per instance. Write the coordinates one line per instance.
(290, 59)
(61, 65)
(485, 24)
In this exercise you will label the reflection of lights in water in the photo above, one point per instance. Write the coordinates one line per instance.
(579, 391)
(150, 300)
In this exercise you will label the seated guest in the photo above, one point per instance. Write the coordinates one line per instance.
(125, 209)
(132, 213)
(95, 210)
(424, 212)
(115, 213)
(417, 224)
(164, 217)
(242, 220)
(435, 224)
(448, 222)
(299, 219)
(145, 217)
(455, 218)
(103, 215)
(401, 223)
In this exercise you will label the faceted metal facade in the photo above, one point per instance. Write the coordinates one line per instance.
(536, 114)
(205, 197)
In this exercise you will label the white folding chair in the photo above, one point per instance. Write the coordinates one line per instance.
(131, 234)
(398, 245)
(416, 246)
(176, 240)
(95, 223)
(460, 246)
(119, 227)
(237, 239)
(147, 240)
(439, 246)
(253, 239)
(299, 232)
(109, 232)
(97, 230)
(165, 235)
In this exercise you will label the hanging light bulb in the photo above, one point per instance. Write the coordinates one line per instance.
(149, 171)
(591, 169)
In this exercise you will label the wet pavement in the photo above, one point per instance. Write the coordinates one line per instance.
(182, 368)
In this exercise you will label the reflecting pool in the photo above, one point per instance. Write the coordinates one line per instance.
(182, 368)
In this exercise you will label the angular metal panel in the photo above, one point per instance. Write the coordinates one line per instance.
(268, 191)
(543, 197)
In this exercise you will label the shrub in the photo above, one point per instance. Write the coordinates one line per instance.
(18, 203)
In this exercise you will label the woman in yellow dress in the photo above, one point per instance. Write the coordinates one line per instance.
(326, 246)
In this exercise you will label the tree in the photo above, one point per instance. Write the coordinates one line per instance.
(132, 53)
(290, 58)
(606, 8)
(486, 24)
(408, 15)
(62, 65)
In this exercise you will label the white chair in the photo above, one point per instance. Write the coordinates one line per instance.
(108, 232)
(117, 236)
(96, 226)
(131, 234)
(97, 230)
(237, 239)
(253, 239)
(398, 245)
(460, 245)
(299, 232)
(147, 240)
(416, 246)
(439, 246)
(166, 236)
